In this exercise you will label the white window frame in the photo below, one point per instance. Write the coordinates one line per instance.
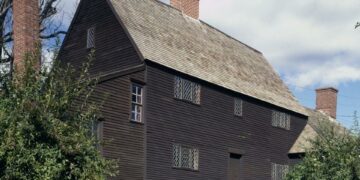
(90, 38)
(136, 112)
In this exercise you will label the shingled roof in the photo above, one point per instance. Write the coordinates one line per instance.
(313, 129)
(165, 36)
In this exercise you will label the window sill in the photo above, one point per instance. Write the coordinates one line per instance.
(186, 169)
(281, 128)
(89, 49)
(237, 116)
(136, 122)
(188, 102)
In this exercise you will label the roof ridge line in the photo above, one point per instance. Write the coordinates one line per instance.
(229, 36)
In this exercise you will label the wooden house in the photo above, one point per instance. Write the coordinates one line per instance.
(186, 101)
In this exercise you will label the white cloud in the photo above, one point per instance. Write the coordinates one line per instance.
(330, 73)
(310, 42)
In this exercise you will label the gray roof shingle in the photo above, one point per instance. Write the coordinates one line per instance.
(167, 37)
(313, 128)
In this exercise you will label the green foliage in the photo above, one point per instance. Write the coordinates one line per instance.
(335, 155)
(45, 125)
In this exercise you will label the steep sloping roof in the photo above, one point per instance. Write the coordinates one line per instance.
(165, 36)
(302, 143)
(312, 130)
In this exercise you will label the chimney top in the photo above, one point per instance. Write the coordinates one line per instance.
(328, 89)
(326, 100)
(188, 7)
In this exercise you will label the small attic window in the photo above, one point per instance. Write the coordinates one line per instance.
(90, 41)
(238, 107)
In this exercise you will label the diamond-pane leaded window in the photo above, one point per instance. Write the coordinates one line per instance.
(281, 120)
(136, 103)
(187, 90)
(185, 157)
(278, 171)
(238, 107)
(90, 42)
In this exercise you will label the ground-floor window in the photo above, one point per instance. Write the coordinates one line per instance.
(185, 157)
(278, 171)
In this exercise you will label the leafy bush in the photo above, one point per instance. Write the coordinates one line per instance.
(45, 125)
(335, 155)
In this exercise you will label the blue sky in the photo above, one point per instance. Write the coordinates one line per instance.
(310, 43)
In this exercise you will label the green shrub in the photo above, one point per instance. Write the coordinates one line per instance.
(45, 128)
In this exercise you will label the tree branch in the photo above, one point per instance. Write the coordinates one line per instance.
(48, 10)
(5, 11)
(53, 35)
(49, 27)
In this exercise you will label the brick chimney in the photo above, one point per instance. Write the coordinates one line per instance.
(326, 101)
(188, 7)
(25, 27)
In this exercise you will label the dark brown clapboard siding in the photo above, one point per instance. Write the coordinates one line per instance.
(212, 128)
(114, 50)
(124, 140)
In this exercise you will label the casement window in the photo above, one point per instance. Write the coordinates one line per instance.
(136, 102)
(185, 157)
(278, 171)
(281, 120)
(187, 90)
(97, 132)
(238, 107)
(90, 39)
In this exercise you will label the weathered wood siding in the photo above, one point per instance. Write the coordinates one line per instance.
(114, 50)
(213, 128)
(124, 140)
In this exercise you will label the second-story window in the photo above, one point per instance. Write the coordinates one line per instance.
(136, 102)
(281, 120)
(187, 90)
(238, 107)
(90, 39)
